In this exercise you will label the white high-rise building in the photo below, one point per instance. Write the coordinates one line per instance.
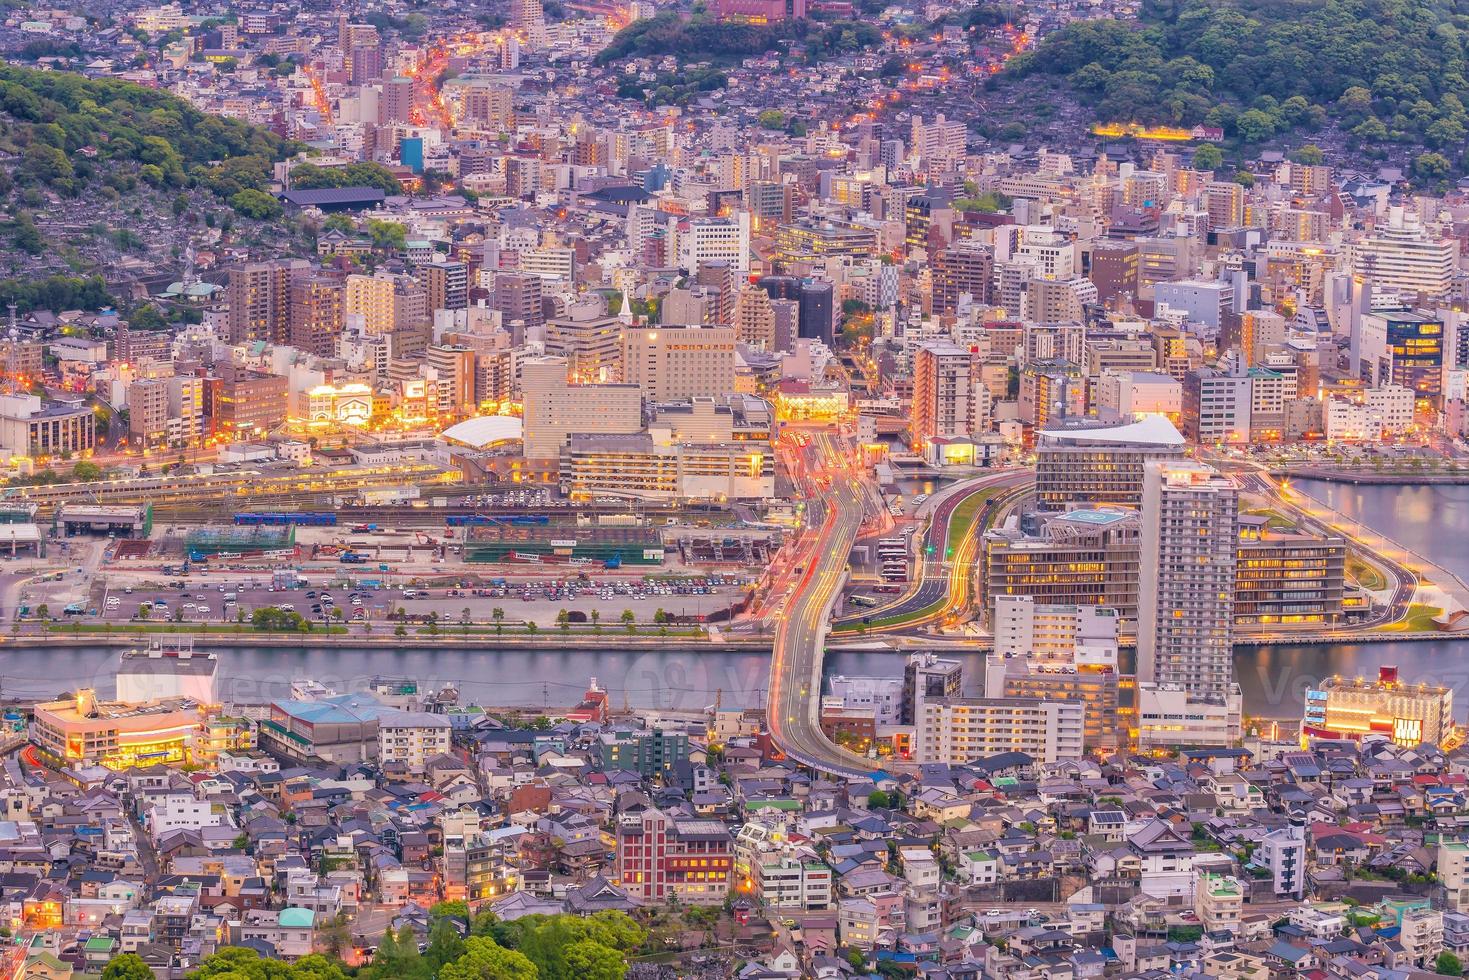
(1185, 632)
(1403, 255)
(1049, 633)
(702, 241)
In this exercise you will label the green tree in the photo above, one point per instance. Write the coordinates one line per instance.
(458, 908)
(239, 963)
(387, 236)
(484, 959)
(563, 620)
(1447, 965)
(771, 119)
(1432, 166)
(444, 943)
(590, 960)
(128, 966)
(1208, 157)
(629, 620)
(339, 223)
(1310, 155)
(1253, 125)
(615, 929)
(86, 471)
(498, 615)
(255, 204)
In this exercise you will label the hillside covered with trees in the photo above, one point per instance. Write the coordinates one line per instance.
(702, 38)
(1384, 71)
(142, 167)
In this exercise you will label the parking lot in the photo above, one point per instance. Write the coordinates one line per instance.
(221, 600)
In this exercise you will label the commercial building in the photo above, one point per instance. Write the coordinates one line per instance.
(1405, 348)
(158, 672)
(1050, 633)
(1216, 406)
(1135, 394)
(1168, 717)
(41, 430)
(1403, 255)
(247, 404)
(554, 408)
(1287, 578)
(671, 363)
(640, 466)
(661, 859)
(817, 240)
(700, 241)
(338, 729)
(83, 731)
(1349, 421)
(1083, 557)
(1090, 465)
(817, 311)
(959, 730)
(590, 341)
(1406, 713)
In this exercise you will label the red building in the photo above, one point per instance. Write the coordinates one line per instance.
(659, 858)
(594, 707)
(760, 11)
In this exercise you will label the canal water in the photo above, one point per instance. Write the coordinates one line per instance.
(1433, 520)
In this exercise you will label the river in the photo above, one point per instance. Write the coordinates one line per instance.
(1431, 519)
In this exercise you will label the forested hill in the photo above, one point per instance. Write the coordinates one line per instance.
(1385, 71)
(142, 168)
(67, 128)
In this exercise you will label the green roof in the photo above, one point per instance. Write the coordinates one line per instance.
(100, 944)
(294, 918)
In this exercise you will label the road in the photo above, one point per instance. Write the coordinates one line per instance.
(939, 576)
(823, 469)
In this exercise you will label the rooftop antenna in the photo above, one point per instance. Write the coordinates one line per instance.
(12, 360)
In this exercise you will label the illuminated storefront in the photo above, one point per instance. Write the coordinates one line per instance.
(84, 731)
(1405, 713)
(349, 404)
